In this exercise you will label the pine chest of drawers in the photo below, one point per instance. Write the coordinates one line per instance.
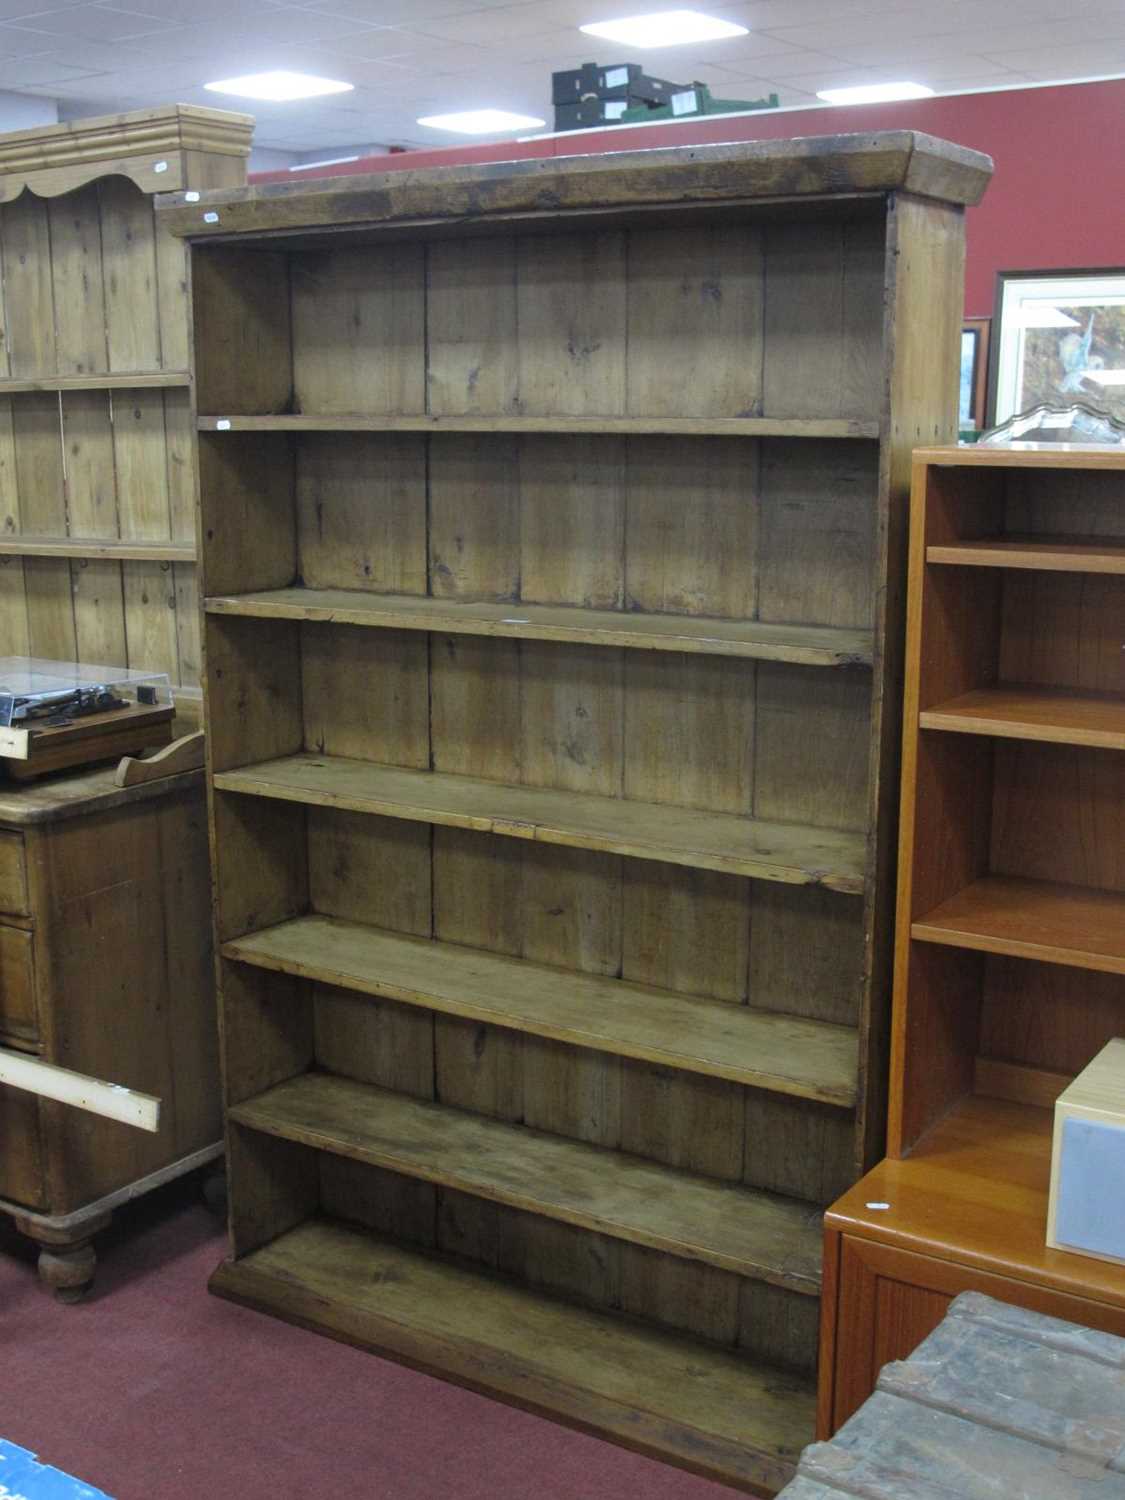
(105, 968)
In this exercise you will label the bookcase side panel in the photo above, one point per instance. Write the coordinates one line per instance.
(924, 294)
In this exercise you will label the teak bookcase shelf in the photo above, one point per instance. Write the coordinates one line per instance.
(97, 467)
(552, 519)
(1010, 964)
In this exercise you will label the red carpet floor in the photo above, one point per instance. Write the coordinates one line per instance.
(154, 1390)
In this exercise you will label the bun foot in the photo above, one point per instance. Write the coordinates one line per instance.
(69, 1271)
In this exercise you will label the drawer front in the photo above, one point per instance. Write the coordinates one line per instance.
(889, 1300)
(13, 875)
(18, 1011)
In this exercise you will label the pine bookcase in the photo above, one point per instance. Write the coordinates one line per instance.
(1010, 946)
(97, 468)
(552, 525)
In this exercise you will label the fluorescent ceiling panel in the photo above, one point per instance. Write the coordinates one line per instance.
(481, 121)
(279, 87)
(664, 28)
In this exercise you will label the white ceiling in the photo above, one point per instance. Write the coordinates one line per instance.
(415, 57)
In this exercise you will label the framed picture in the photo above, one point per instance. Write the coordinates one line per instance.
(974, 373)
(1060, 338)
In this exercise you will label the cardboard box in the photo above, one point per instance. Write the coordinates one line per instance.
(1086, 1209)
(590, 112)
(695, 99)
(618, 81)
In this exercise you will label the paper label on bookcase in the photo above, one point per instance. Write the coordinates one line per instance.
(13, 744)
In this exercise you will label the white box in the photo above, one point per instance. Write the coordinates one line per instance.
(1086, 1210)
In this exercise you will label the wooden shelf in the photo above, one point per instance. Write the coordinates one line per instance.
(1023, 456)
(751, 1233)
(705, 1406)
(973, 1192)
(1052, 715)
(751, 427)
(99, 547)
(801, 645)
(1044, 554)
(135, 380)
(786, 852)
(767, 1050)
(1057, 924)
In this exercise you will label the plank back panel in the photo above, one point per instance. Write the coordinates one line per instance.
(1046, 1016)
(358, 331)
(29, 307)
(79, 280)
(695, 289)
(571, 324)
(823, 319)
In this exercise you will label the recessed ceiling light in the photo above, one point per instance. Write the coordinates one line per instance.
(481, 121)
(279, 86)
(875, 93)
(664, 28)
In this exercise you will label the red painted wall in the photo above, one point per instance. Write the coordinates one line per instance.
(1057, 200)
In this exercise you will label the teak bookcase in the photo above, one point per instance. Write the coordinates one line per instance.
(551, 519)
(97, 469)
(1010, 962)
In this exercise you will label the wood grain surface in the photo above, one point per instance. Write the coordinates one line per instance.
(715, 1412)
(699, 839)
(780, 1052)
(552, 517)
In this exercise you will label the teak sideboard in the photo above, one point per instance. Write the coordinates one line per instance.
(97, 467)
(1010, 962)
(552, 531)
